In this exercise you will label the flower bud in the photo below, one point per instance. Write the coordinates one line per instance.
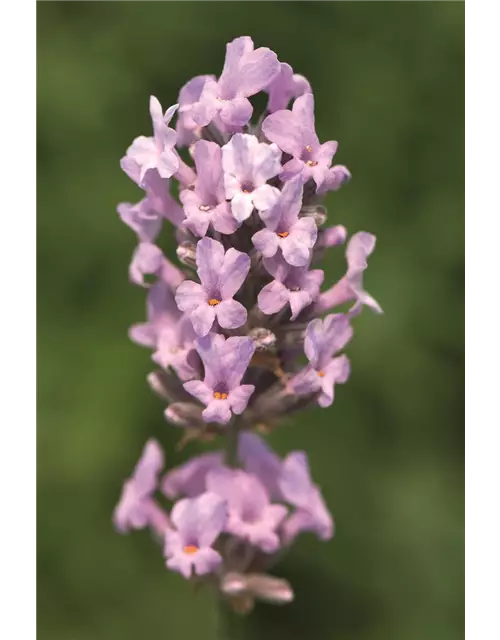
(264, 339)
(186, 252)
(184, 414)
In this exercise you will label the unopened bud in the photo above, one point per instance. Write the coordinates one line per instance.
(264, 339)
(184, 414)
(332, 236)
(316, 211)
(257, 585)
(186, 252)
(167, 386)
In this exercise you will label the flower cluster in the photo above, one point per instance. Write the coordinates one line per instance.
(229, 325)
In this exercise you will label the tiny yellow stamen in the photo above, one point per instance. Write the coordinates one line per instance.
(213, 302)
(321, 374)
(311, 163)
(309, 148)
(204, 207)
(220, 396)
(190, 549)
(283, 234)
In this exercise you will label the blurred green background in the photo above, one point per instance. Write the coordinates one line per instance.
(388, 79)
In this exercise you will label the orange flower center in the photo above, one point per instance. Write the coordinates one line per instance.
(283, 234)
(321, 374)
(220, 396)
(213, 302)
(309, 148)
(311, 163)
(190, 549)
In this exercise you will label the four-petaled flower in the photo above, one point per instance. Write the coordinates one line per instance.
(251, 516)
(225, 361)
(323, 339)
(134, 510)
(294, 132)
(248, 164)
(198, 523)
(221, 274)
(206, 204)
(156, 152)
(298, 489)
(285, 230)
(294, 285)
(246, 72)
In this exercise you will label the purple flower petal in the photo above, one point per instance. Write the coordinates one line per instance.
(266, 242)
(199, 390)
(281, 128)
(190, 296)
(233, 272)
(236, 112)
(259, 460)
(217, 411)
(265, 197)
(231, 314)
(189, 479)
(258, 70)
(209, 261)
(239, 396)
(273, 297)
(202, 517)
(147, 259)
(202, 318)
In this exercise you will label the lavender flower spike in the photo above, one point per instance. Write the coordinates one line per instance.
(156, 152)
(285, 230)
(226, 361)
(198, 523)
(323, 339)
(248, 164)
(221, 275)
(250, 516)
(229, 337)
(293, 131)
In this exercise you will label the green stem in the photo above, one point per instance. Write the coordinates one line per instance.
(231, 450)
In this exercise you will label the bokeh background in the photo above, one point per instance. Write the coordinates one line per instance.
(389, 454)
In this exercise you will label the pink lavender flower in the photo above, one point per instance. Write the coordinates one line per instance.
(284, 87)
(189, 479)
(188, 131)
(221, 274)
(156, 152)
(205, 204)
(148, 259)
(350, 287)
(285, 230)
(322, 340)
(251, 516)
(198, 523)
(225, 361)
(259, 460)
(136, 510)
(294, 132)
(246, 72)
(248, 164)
(298, 489)
(296, 286)
(227, 324)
